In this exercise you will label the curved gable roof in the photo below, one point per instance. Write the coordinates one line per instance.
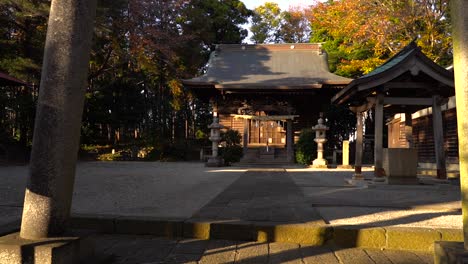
(409, 60)
(269, 66)
(7, 80)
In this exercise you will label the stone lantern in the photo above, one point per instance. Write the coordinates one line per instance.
(215, 138)
(320, 138)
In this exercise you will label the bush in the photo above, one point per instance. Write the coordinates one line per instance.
(110, 157)
(232, 150)
(231, 154)
(306, 148)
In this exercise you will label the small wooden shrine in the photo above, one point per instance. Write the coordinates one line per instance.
(406, 83)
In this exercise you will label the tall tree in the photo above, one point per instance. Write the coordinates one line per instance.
(143, 48)
(272, 25)
(22, 31)
(266, 23)
(295, 27)
(22, 36)
(361, 34)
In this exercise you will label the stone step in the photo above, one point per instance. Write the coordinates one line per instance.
(433, 172)
(383, 238)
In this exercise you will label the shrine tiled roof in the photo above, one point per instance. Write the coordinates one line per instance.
(268, 66)
(409, 73)
(7, 80)
(400, 56)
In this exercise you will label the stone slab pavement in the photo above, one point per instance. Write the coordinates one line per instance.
(248, 198)
(168, 190)
(150, 249)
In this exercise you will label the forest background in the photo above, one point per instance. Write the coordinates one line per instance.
(143, 48)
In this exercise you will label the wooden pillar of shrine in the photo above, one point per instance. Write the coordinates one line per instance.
(359, 142)
(438, 128)
(378, 139)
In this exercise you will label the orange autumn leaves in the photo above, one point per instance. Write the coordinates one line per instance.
(362, 34)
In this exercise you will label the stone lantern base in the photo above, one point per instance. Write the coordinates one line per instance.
(215, 162)
(320, 163)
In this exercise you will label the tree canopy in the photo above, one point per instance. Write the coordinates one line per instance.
(272, 25)
(359, 35)
(142, 48)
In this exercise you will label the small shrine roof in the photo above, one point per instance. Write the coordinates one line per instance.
(7, 80)
(410, 73)
(238, 67)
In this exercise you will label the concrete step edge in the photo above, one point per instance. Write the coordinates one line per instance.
(397, 238)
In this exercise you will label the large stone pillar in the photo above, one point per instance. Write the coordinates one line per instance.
(459, 9)
(358, 155)
(289, 141)
(438, 128)
(378, 140)
(409, 130)
(57, 129)
(454, 252)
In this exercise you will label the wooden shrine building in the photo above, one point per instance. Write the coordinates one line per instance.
(268, 93)
(406, 83)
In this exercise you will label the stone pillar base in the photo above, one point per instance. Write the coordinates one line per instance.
(344, 167)
(380, 179)
(446, 252)
(320, 162)
(215, 162)
(319, 166)
(66, 250)
(356, 182)
(402, 180)
(358, 177)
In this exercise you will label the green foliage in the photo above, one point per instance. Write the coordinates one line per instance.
(271, 25)
(231, 154)
(341, 122)
(216, 22)
(22, 35)
(232, 150)
(110, 157)
(306, 148)
(265, 23)
(231, 138)
(360, 35)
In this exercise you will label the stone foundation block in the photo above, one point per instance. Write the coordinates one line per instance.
(406, 238)
(450, 253)
(197, 229)
(355, 236)
(66, 250)
(315, 235)
(400, 165)
(347, 167)
(99, 223)
(318, 166)
(450, 234)
(239, 230)
(148, 226)
(215, 162)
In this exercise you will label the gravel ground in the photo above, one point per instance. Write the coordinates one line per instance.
(180, 189)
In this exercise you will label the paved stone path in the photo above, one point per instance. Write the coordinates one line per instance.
(285, 205)
(304, 196)
(148, 249)
(261, 195)
(189, 190)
